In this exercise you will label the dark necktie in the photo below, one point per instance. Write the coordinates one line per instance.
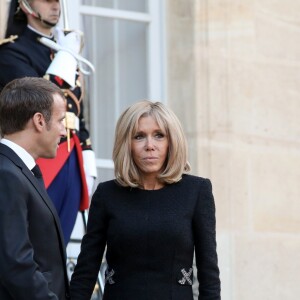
(38, 175)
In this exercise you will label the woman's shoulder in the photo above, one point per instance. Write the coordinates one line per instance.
(195, 180)
(108, 185)
(105, 191)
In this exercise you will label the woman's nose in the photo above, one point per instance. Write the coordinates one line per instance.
(149, 144)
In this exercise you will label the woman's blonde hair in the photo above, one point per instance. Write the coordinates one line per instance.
(126, 171)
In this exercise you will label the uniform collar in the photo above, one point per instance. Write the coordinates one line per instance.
(39, 33)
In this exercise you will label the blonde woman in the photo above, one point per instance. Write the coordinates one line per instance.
(151, 218)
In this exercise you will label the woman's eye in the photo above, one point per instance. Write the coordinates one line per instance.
(159, 135)
(138, 137)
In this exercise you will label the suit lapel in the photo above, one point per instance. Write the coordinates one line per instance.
(42, 191)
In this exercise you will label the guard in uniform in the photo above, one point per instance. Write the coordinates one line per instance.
(69, 178)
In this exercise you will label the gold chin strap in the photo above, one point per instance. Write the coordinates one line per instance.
(27, 6)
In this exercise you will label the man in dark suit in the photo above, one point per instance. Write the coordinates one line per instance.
(32, 251)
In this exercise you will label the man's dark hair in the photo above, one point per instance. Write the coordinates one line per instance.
(21, 98)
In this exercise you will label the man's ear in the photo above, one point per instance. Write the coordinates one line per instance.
(39, 121)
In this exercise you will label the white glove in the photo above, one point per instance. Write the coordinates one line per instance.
(71, 41)
(89, 165)
(64, 63)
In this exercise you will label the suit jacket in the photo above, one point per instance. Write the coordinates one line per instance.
(150, 237)
(32, 251)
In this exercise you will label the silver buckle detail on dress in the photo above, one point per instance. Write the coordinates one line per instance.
(186, 279)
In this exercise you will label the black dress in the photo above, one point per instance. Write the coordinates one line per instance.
(151, 237)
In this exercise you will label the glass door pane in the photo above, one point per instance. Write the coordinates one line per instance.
(130, 5)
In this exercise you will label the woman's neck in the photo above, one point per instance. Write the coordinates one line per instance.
(152, 184)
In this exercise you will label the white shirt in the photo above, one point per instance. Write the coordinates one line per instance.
(21, 152)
